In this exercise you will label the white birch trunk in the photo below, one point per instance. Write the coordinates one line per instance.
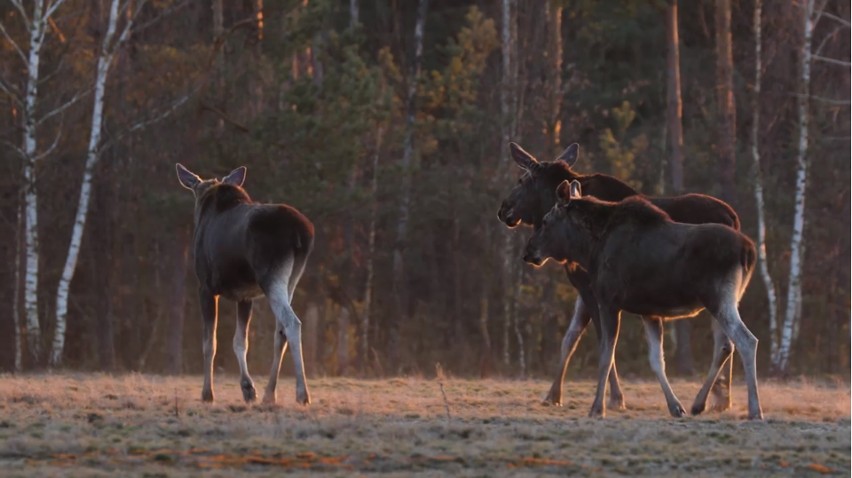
(36, 29)
(763, 263)
(794, 293)
(92, 157)
(353, 13)
(16, 303)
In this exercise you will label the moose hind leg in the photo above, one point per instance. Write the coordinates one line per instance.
(289, 326)
(722, 387)
(578, 325)
(209, 315)
(241, 349)
(723, 350)
(746, 344)
(654, 335)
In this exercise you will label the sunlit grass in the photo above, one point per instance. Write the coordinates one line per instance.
(136, 424)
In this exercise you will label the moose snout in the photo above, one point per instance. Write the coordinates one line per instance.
(506, 215)
(532, 256)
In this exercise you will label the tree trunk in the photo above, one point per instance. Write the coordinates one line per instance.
(794, 290)
(674, 111)
(353, 13)
(371, 252)
(725, 106)
(400, 291)
(508, 110)
(554, 18)
(768, 282)
(36, 29)
(92, 156)
(16, 300)
(177, 304)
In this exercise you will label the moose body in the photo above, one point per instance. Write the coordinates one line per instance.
(640, 261)
(534, 196)
(244, 250)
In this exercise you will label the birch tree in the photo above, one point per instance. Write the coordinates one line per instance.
(36, 23)
(765, 275)
(112, 41)
(792, 313)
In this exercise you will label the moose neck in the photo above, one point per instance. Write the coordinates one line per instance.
(218, 199)
(586, 232)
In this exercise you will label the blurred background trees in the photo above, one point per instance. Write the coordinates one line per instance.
(394, 143)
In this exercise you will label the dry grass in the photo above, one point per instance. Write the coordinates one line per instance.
(95, 425)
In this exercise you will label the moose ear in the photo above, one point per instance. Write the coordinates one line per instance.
(576, 191)
(187, 178)
(563, 192)
(236, 177)
(570, 155)
(521, 157)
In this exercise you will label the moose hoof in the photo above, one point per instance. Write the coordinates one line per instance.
(758, 415)
(597, 412)
(552, 399)
(617, 403)
(697, 408)
(677, 410)
(269, 399)
(303, 398)
(207, 395)
(249, 392)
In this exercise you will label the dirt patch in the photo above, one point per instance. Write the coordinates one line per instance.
(95, 425)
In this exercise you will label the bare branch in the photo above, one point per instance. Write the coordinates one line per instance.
(14, 43)
(842, 21)
(165, 113)
(20, 7)
(825, 40)
(65, 106)
(52, 147)
(14, 147)
(831, 60)
(224, 116)
(11, 91)
(831, 101)
(161, 15)
(53, 8)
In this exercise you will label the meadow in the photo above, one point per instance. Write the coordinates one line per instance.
(76, 424)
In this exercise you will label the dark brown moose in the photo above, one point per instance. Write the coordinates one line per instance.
(244, 250)
(640, 261)
(533, 197)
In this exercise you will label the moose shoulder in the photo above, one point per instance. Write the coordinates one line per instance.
(244, 250)
(640, 261)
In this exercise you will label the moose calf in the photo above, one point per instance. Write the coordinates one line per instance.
(244, 250)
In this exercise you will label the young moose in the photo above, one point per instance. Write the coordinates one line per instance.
(640, 261)
(533, 197)
(244, 250)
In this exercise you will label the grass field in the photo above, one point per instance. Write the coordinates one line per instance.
(140, 425)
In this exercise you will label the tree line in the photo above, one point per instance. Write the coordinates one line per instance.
(388, 124)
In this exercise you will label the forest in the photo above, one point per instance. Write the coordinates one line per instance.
(388, 124)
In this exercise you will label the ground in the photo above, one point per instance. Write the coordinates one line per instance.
(143, 425)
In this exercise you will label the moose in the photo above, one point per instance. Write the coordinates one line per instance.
(533, 196)
(244, 250)
(640, 261)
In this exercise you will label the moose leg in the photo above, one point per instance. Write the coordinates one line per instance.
(722, 358)
(578, 325)
(746, 344)
(722, 387)
(610, 320)
(209, 312)
(280, 346)
(241, 348)
(654, 335)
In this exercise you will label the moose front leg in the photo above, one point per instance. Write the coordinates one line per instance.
(241, 349)
(610, 320)
(209, 315)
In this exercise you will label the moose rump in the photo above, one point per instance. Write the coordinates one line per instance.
(244, 250)
(640, 261)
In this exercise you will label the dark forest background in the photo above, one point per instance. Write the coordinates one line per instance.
(313, 97)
